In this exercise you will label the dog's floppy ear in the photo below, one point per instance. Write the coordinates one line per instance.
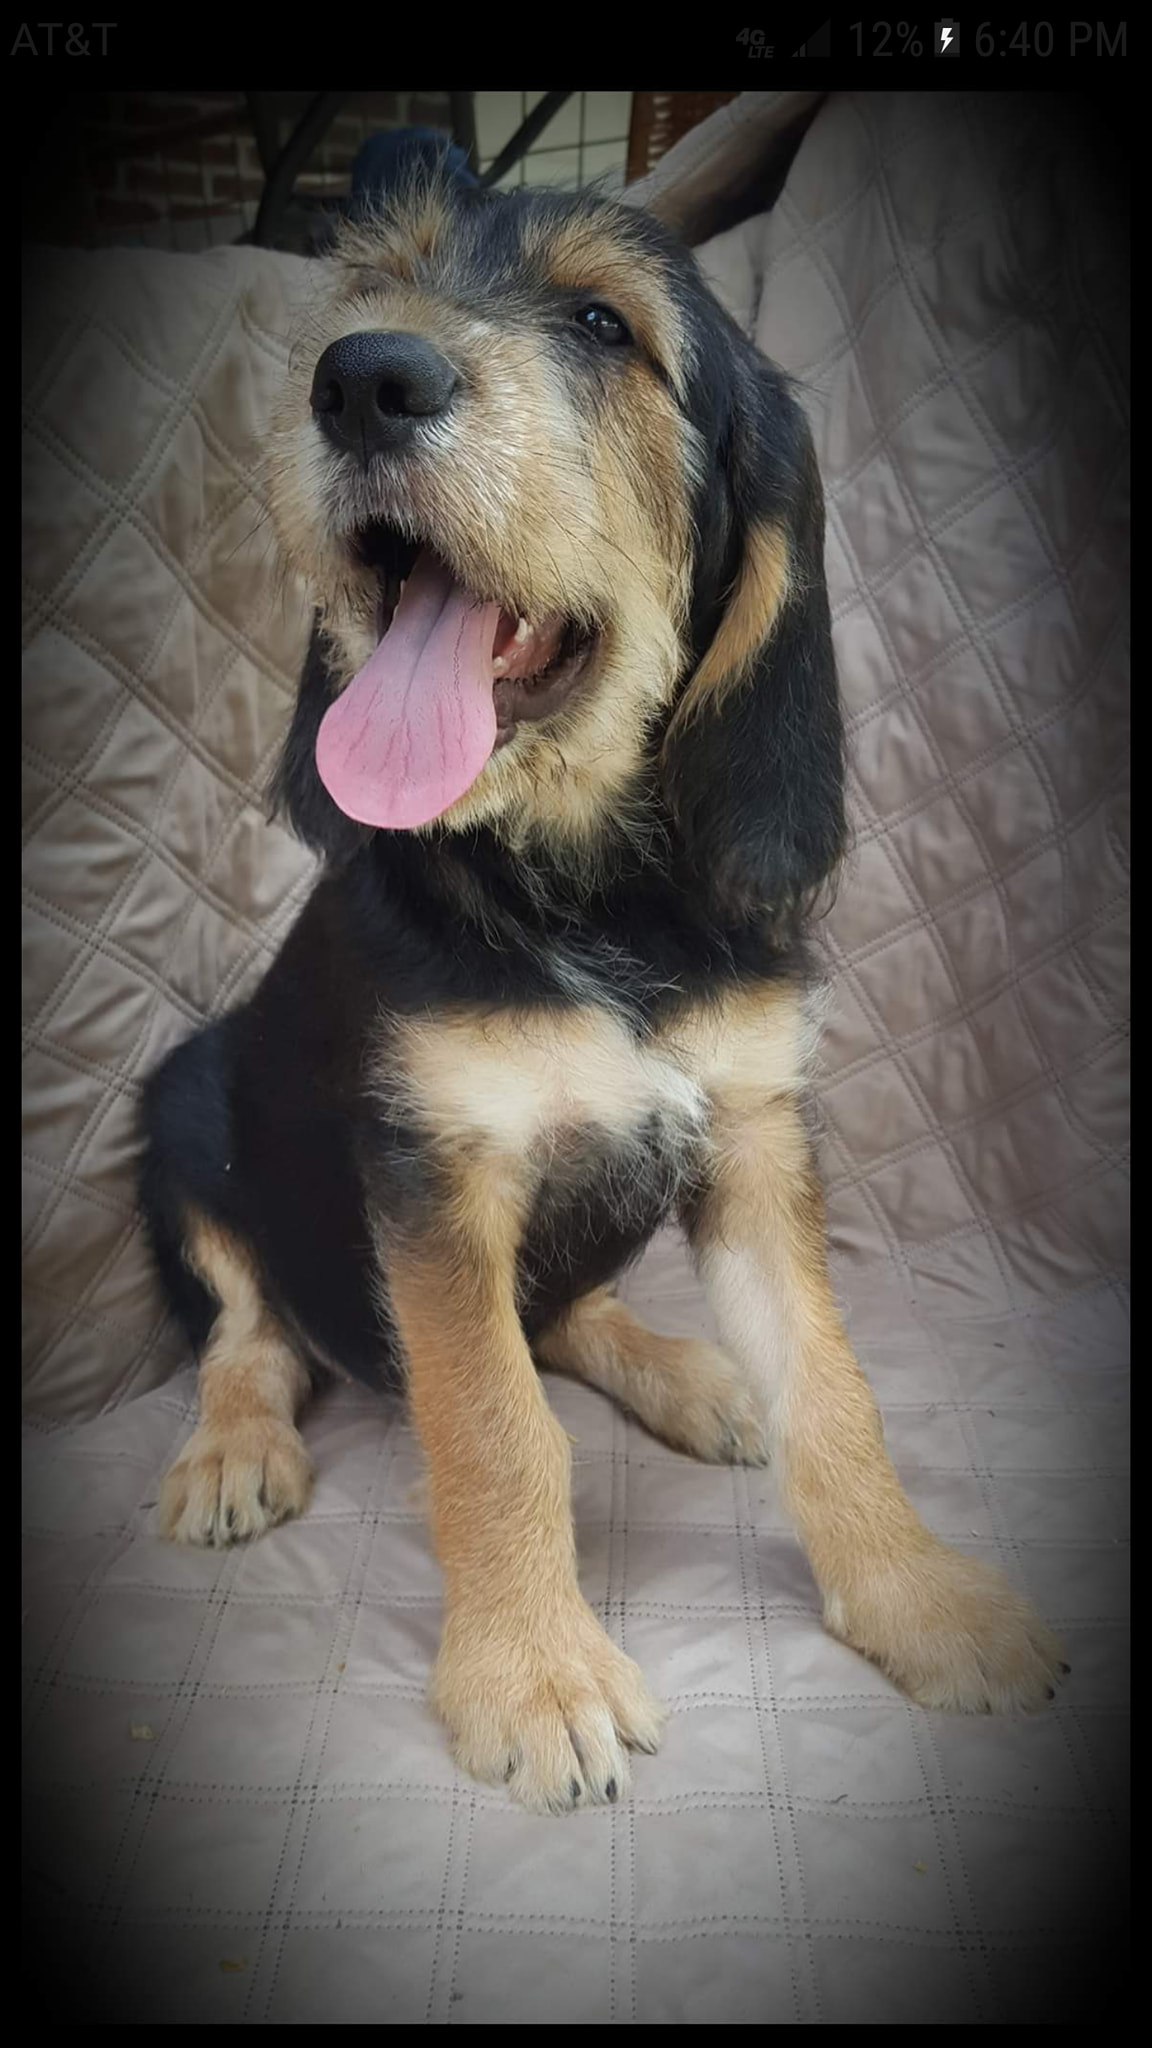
(297, 792)
(753, 755)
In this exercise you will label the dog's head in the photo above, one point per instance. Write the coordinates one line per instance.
(564, 533)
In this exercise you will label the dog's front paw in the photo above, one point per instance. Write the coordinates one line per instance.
(231, 1484)
(547, 1706)
(951, 1632)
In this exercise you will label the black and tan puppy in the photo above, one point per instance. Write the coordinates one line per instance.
(568, 737)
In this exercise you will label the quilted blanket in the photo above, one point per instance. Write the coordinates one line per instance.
(238, 1806)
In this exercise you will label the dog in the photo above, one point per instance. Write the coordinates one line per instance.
(568, 740)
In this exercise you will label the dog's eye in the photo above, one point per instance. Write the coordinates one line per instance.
(603, 325)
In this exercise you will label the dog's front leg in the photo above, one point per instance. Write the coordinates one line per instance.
(533, 1692)
(949, 1630)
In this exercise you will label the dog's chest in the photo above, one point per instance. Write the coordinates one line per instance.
(549, 1085)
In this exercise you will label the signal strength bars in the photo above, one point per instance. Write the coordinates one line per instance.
(817, 45)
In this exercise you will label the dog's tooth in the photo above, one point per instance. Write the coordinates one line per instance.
(499, 665)
(521, 633)
(403, 581)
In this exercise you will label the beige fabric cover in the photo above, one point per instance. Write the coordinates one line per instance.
(239, 1806)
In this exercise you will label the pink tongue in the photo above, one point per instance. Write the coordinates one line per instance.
(413, 730)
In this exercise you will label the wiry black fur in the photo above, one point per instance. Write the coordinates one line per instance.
(264, 1121)
(297, 790)
(756, 788)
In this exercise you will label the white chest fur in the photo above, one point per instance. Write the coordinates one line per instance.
(514, 1078)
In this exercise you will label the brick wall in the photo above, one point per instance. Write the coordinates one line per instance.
(181, 170)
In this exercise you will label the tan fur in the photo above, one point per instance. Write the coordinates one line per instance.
(683, 1390)
(761, 589)
(513, 1076)
(555, 519)
(244, 1467)
(401, 243)
(761, 1038)
(951, 1632)
(534, 1693)
(584, 256)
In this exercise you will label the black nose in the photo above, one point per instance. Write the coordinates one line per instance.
(371, 390)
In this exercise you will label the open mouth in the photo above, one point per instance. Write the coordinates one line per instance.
(452, 676)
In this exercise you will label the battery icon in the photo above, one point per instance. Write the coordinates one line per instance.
(947, 39)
